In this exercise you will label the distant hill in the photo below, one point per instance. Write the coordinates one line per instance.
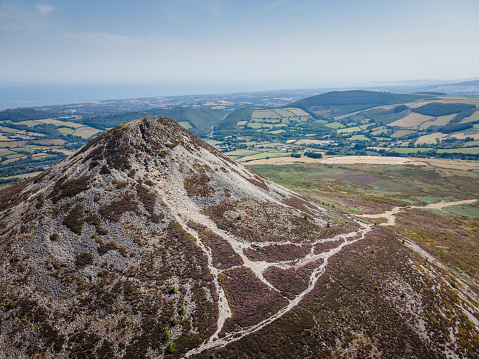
(341, 102)
(195, 121)
(459, 88)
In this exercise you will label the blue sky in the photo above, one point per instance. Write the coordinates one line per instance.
(262, 44)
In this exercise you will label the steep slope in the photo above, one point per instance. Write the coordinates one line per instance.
(148, 243)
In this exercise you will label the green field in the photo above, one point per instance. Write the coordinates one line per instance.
(350, 129)
(359, 138)
(270, 155)
(185, 125)
(335, 125)
(407, 150)
(467, 150)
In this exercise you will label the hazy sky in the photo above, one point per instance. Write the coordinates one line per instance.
(276, 43)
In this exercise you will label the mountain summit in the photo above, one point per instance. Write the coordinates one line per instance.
(148, 242)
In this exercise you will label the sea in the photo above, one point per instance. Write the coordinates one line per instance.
(45, 95)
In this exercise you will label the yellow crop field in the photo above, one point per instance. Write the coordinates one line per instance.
(284, 113)
(430, 139)
(5, 152)
(440, 121)
(474, 117)
(413, 120)
(297, 111)
(85, 132)
(50, 121)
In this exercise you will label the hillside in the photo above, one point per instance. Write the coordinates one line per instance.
(195, 121)
(147, 242)
(356, 123)
(338, 103)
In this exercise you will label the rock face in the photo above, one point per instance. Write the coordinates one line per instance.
(150, 243)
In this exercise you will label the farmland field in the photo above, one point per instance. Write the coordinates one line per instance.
(440, 121)
(430, 139)
(413, 120)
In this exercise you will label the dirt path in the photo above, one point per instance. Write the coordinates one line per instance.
(391, 214)
(260, 267)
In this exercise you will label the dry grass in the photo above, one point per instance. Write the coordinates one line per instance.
(413, 120)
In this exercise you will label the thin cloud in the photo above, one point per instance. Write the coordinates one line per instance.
(44, 9)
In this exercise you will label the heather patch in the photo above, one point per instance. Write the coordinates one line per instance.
(277, 252)
(290, 282)
(223, 253)
(250, 299)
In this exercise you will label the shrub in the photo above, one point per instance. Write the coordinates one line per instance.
(11, 304)
(313, 155)
(74, 220)
(170, 347)
(173, 321)
(166, 334)
(174, 289)
(182, 311)
(84, 259)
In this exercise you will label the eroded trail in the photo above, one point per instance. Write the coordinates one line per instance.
(258, 267)
(390, 215)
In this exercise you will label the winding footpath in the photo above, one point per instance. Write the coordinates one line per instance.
(258, 267)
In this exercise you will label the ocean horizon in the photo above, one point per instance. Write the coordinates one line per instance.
(49, 95)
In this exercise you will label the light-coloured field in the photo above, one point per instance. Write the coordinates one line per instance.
(350, 129)
(66, 130)
(430, 139)
(52, 142)
(8, 129)
(372, 160)
(29, 123)
(413, 120)
(335, 125)
(440, 121)
(185, 125)
(9, 144)
(4, 138)
(297, 111)
(401, 133)
(58, 123)
(462, 136)
(359, 138)
(264, 114)
(470, 101)
(277, 160)
(312, 142)
(241, 123)
(467, 150)
(22, 176)
(474, 117)
(285, 113)
(85, 132)
(5, 152)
